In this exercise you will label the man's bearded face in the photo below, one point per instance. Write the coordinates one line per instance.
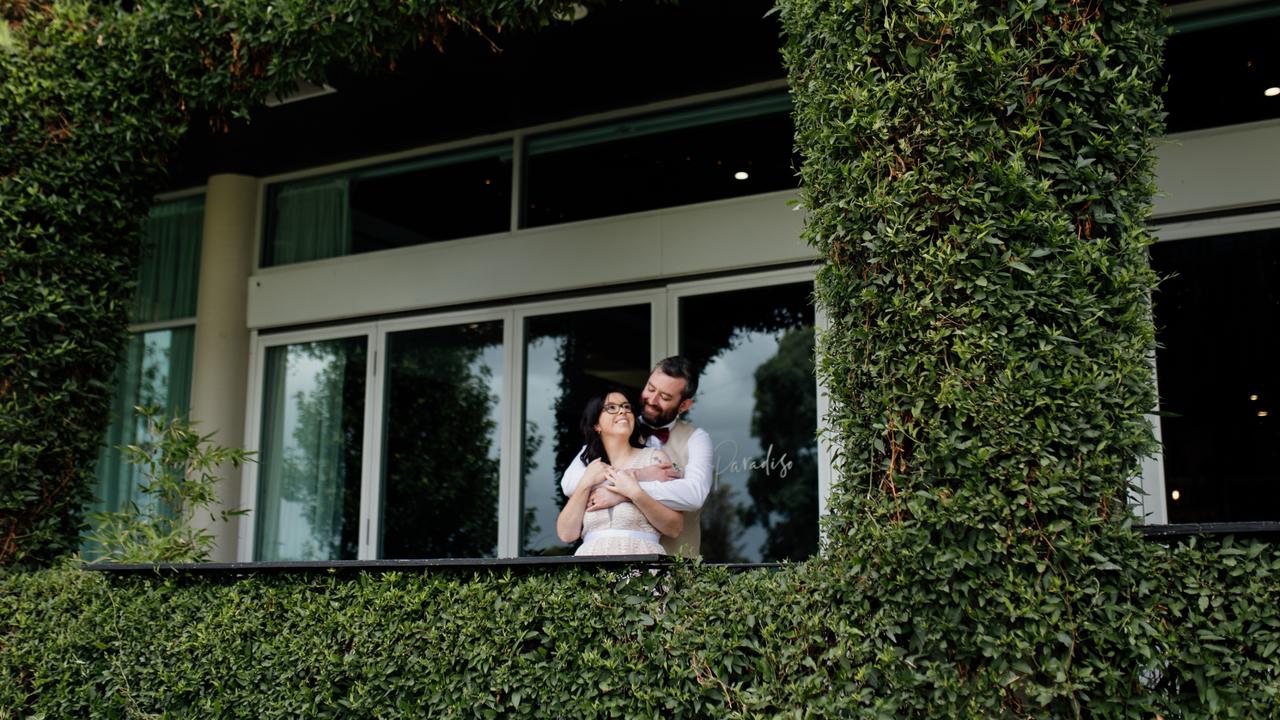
(663, 399)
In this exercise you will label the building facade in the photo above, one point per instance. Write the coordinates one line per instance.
(398, 294)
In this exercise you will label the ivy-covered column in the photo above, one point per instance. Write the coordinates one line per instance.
(978, 176)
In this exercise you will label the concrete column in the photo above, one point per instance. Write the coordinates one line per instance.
(221, 365)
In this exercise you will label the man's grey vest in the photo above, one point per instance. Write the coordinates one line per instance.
(689, 543)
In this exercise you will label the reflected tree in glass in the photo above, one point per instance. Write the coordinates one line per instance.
(757, 400)
(313, 420)
(442, 452)
(568, 358)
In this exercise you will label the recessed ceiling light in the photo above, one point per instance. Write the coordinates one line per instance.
(1176, 495)
(1253, 397)
(1262, 413)
(741, 175)
(1271, 91)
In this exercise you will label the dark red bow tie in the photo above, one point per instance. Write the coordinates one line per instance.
(661, 433)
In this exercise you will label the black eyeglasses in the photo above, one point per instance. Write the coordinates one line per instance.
(615, 408)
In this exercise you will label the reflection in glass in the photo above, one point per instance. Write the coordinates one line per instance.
(711, 153)
(309, 463)
(757, 399)
(1217, 315)
(568, 357)
(430, 199)
(155, 371)
(443, 438)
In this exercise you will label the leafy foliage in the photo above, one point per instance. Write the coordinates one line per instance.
(978, 176)
(178, 466)
(691, 641)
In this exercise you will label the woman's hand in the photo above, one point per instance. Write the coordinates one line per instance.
(624, 483)
(595, 473)
(662, 518)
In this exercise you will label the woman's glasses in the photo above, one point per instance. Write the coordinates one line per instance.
(615, 408)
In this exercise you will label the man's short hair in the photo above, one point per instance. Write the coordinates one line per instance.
(679, 367)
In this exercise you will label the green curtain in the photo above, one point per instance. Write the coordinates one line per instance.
(302, 481)
(170, 263)
(311, 221)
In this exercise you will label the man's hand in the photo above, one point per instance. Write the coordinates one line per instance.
(660, 472)
(603, 498)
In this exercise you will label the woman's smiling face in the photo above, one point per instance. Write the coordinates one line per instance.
(620, 423)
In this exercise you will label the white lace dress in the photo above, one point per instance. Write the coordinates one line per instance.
(621, 529)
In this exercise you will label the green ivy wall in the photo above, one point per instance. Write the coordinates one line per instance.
(977, 176)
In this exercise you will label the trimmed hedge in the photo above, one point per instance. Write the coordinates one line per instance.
(692, 641)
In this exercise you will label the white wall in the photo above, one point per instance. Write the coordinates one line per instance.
(740, 233)
(1218, 169)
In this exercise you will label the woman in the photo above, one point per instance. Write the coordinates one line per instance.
(613, 449)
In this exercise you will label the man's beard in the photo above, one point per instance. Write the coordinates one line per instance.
(661, 418)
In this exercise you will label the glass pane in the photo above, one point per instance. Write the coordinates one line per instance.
(310, 457)
(1217, 317)
(429, 204)
(654, 163)
(758, 400)
(155, 371)
(442, 434)
(568, 357)
(428, 200)
(169, 265)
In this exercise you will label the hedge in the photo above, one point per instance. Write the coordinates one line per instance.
(977, 176)
(810, 640)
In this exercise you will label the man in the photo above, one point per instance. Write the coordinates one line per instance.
(682, 484)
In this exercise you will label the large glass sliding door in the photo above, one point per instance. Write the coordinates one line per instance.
(445, 436)
(758, 401)
(311, 454)
(569, 356)
(441, 441)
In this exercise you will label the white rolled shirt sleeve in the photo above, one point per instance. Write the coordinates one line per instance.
(689, 492)
(573, 473)
(685, 494)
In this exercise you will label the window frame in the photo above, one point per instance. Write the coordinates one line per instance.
(1151, 503)
(663, 302)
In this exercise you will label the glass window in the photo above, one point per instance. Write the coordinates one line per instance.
(721, 151)
(568, 357)
(155, 371)
(1217, 315)
(436, 198)
(156, 367)
(169, 264)
(310, 456)
(442, 437)
(757, 399)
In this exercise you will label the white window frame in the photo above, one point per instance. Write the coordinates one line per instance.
(259, 343)
(509, 544)
(1152, 506)
(663, 302)
(371, 487)
(809, 274)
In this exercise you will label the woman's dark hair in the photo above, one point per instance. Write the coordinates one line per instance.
(591, 415)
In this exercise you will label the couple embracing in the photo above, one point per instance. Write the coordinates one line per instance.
(638, 485)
